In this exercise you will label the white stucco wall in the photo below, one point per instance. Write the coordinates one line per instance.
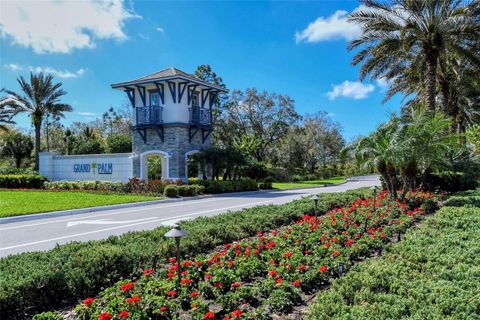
(58, 167)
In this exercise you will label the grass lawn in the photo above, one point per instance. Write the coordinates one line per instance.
(303, 184)
(18, 202)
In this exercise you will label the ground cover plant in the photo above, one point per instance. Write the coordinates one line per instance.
(37, 201)
(309, 183)
(264, 275)
(433, 273)
(44, 280)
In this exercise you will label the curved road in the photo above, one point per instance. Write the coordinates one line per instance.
(46, 233)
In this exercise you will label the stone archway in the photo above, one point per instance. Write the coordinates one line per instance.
(144, 165)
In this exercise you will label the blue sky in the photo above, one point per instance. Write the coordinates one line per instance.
(293, 48)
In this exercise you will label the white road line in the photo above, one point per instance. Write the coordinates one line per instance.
(126, 226)
(103, 221)
(107, 214)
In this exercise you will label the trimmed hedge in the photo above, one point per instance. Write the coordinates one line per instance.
(224, 186)
(21, 181)
(39, 281)
(433, 273)
(183, 190)
(86, 185)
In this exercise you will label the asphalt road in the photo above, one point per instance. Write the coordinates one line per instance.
(46, 233)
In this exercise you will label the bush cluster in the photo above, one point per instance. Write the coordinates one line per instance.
(431, 274)
(85, 186)
(21, 181)
(223, 186)
(257, 276)
(43, 280)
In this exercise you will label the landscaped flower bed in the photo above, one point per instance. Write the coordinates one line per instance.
(267, 274)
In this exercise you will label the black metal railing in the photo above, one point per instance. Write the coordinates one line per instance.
(151, 115)
(200, 117)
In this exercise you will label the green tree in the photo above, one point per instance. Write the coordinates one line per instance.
(17, 145)
(38, 98)
(119, 143)
(405, 40)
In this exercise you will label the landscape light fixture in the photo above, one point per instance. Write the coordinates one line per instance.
(315, 199)
(177, 233)
(341, 268)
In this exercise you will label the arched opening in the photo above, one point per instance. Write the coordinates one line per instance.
(154, 164)
(192, 169)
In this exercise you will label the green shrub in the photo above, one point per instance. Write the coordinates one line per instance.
(224, 186)
(186, 190)
(48, 316)
(86, 185)
(21, 181)
(40, 280)
(433, 273)
(171, 191)
(451, 181)
(265, 185)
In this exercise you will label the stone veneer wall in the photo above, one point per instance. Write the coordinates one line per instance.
(176, 143)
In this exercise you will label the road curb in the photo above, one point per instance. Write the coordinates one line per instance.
(54, 214)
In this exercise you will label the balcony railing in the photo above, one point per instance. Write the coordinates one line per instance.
(200, 117)
(151, 115)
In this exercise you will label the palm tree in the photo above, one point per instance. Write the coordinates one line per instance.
(408, 35)
(378, 151)
(39, 97)
(5, 117)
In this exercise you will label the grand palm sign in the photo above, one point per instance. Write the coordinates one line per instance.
(100, 168)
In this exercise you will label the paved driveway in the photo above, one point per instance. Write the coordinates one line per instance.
(45, 233)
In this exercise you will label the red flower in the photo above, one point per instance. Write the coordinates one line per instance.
(273, 273)
(133, 299)
(186, 281)
(148, 272)
(208, 276)
(336, 253)
(236, 314)
(297, 283)
(226, 318)
(287, 254)
(187, 263)
(236, 284)
(279, 281)
(163, 309)
(123, 314)
(217, 284)
(105, 316)
(172, 260)
(172, 293)
(88, 301)
(209, 315)
(327, 245)
(127, 286)
(302, 268)
(194, 294)
(323, 269)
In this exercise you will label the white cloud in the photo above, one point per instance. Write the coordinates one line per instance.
(88, 114)
(65, 74)
(383, 83)
(161, 30)
(351, 89)
(61, 26)
(334, 26)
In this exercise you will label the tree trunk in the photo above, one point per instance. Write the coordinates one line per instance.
(18, 161)
(431, 83)
(37, 144)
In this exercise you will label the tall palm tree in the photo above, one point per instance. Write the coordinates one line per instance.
(412, 34)
(38, 98)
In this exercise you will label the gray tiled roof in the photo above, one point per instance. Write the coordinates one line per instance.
(169, 73)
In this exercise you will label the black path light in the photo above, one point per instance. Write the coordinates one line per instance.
(177, 233)
(315, 199)
(341, 268)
